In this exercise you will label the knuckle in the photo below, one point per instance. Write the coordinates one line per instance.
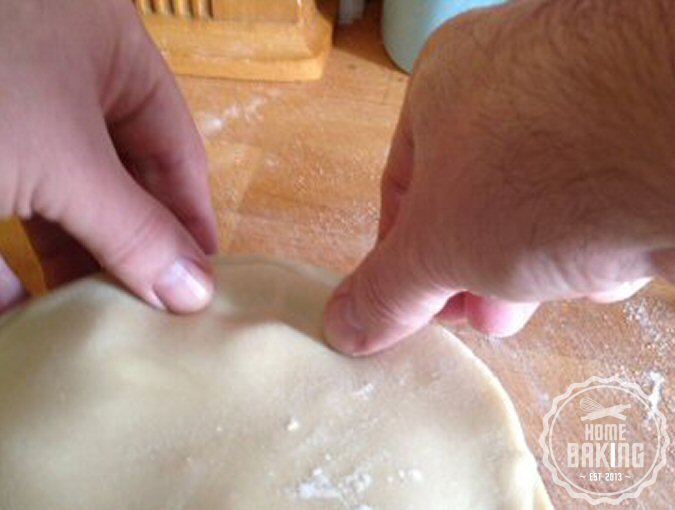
(376, 304)
(126, 250)
(391, 183)
(22, 190)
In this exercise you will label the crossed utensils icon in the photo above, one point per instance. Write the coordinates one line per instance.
(596, 411)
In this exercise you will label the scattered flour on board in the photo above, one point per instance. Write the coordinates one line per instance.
(655, 396)
(637, 311)
(209, 124)
(292, 424)
(544, 399)
(651, 321)
(349, 490)
(249, 111)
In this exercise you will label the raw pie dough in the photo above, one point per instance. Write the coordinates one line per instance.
(106, 403)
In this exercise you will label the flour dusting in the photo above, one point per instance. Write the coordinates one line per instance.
(292, 424)
(655, 396)
(349, 490)
(637, 311)
(249, 111)
(415, 475)
(543, 399)
(410, 474)
(208, 124)
(406, 475)
(365, 392)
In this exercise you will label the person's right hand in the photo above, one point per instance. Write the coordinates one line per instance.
(532, 162)
(99, 153)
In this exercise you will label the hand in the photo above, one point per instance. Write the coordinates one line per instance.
(99, 153)
(531, 162)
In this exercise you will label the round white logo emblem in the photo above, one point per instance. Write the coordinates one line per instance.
(604, 441)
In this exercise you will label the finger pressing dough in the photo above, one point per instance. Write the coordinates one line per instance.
(106, 403)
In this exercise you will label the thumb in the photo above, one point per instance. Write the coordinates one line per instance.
(133, 235)
(397, 175)
(389, 297)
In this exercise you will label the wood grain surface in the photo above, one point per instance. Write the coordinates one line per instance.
(284, 40)
(295, 173)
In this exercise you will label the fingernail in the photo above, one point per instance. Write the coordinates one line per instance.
(184, 287)
(343, 329)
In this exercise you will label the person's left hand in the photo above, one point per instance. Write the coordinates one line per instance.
(99, 154)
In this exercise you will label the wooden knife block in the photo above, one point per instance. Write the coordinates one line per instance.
(285, 40)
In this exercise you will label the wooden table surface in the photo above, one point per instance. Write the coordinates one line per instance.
(295, 173)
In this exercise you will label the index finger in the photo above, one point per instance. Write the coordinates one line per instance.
(157, 139)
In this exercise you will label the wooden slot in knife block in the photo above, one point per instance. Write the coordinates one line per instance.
(284, 40)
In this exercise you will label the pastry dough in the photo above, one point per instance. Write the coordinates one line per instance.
(106, 403)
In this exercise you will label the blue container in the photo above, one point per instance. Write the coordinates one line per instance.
(407, 24)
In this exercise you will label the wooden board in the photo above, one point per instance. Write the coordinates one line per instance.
(283, 40)
(295, 173)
